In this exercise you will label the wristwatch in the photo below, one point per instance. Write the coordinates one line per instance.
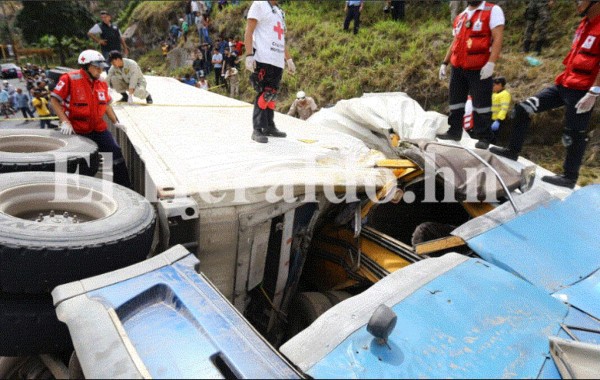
(595, 90)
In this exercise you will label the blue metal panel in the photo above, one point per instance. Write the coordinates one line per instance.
(181, 327)
(553, 246)
(475, 321)
(585, 295)
(549, 371)
(582, 326)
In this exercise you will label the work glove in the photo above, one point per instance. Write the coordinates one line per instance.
(442, 74)
(496, 125)
(487, 70)
(250, 63)
(120, 126)
(291, 66)
(130, 99)
(586, 103)
(66, 128)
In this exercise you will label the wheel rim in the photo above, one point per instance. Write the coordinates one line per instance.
(30, 144)
(56, 203)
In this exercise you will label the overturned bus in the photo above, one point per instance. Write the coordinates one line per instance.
(300, 241)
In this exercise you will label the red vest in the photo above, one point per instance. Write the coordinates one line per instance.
(583, 61)
(471, 48)
(84, 101)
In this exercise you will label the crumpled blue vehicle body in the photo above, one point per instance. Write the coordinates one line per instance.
(473, 321)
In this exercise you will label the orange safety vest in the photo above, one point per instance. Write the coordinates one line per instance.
(583, 61)
(84, 101)
(471, 48)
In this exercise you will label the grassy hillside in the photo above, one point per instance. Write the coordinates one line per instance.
(402, 56)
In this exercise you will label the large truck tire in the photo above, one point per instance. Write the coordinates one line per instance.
(29, 326)
(56, 229)
(24, 150)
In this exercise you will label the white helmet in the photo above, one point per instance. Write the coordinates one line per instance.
(92, 57)
(300, 95)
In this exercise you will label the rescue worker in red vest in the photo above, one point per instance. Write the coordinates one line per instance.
(80, 100)
(478, 33)
(576, 88)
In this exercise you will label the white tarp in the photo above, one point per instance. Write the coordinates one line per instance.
(372, 117)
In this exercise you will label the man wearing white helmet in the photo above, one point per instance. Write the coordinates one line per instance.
(80, 100)
(303, 107)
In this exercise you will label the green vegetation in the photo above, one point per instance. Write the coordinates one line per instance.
(75, 21)
(124, 15)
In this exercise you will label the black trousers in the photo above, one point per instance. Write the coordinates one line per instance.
(107, 144)
(266, 79)
(397, 9)
(353, 13)
(575, 130)
(462, 84)
(26, 111)
(218, 79)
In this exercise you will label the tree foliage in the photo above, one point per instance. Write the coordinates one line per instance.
(54, 18)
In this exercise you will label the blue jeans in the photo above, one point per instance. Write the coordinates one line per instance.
(205, 36)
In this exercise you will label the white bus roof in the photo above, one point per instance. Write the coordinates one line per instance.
(193, 142)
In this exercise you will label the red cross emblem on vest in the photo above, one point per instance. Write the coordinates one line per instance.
(278, 30)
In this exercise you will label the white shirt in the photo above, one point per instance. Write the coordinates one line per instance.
(203, 85)
(268, 38)
(96, 29)
(496, 16)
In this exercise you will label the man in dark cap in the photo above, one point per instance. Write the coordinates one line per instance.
(108, 36)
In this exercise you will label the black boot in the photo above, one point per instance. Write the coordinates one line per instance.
(259, 137)
(125, 97)
(482, 144)
(560, 180)
(149, 99)
(538, 46)
(505, 152)
(526, 45)
(273, 131)
(449, 136)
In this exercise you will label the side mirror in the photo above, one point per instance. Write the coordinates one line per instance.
(382, 323)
